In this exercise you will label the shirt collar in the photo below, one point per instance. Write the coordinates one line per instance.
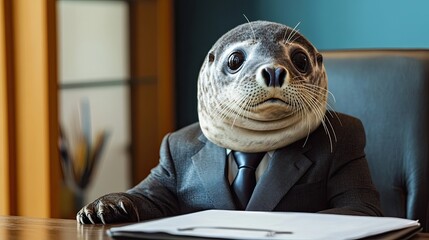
(270, 153)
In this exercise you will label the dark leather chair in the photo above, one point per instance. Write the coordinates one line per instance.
(389, 91)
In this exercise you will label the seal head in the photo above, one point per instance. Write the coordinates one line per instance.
(261, 87)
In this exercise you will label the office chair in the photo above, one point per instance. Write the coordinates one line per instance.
(389, 91)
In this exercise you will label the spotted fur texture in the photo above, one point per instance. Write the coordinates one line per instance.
(239, 110)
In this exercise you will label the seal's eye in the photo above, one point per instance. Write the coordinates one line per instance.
(300, 61)
(235, 60)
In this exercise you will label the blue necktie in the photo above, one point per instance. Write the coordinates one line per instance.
(245, 181)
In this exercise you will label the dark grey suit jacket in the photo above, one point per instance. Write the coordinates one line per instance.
(191, 175)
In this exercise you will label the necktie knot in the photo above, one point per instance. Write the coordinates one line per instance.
(249, 160)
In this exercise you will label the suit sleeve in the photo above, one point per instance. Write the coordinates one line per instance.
(350, 187)
(156, 195)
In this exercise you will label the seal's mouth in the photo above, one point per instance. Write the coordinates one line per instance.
(273, 101)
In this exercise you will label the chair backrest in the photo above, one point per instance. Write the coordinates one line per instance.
(389, 91)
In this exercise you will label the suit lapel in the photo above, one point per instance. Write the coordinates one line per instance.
(287, 166)
(210, 163)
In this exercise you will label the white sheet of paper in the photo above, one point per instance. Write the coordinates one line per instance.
(218, 224)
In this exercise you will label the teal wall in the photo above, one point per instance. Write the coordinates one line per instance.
(328, 24)
(340, 24)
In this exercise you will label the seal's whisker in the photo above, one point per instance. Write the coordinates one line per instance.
(298, 106)
(333, 113)
(308, 123)
(222, 108)
(231, 99)
(336, 115)
(325, 120)
(314, 104)
(317, 93)
(238, 101)
(316, 96)
(225, 110)
(293, 40)
(292, 33)
(298, 80)
(245, 103)
(320, 88)
(251, 27)
(332, 127)
(328, 105)
(248, 108)
(245, 109)
(308, 132)
(241, 102)
(284, 36)
(307, 120)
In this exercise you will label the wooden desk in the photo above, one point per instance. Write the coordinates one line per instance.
(20, 228)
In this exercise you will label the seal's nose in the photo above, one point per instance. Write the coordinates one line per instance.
(274, 77)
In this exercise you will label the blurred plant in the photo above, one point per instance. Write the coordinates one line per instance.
(78, 168)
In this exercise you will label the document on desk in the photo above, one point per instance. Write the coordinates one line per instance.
(226, 224)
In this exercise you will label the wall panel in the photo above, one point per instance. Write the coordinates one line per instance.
(4, 140)
(152, 90)
(37, 166)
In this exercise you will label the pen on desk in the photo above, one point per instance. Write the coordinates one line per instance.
(270, 232)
